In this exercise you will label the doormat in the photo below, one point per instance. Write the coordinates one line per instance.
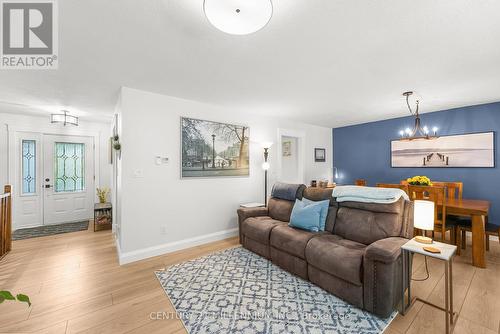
(46, 230)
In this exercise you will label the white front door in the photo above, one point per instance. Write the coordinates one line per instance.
(68, 179)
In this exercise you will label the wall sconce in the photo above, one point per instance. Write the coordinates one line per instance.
(335, 174)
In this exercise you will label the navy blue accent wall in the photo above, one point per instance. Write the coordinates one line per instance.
(363, 151)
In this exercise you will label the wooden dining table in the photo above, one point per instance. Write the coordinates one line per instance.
(478, 211)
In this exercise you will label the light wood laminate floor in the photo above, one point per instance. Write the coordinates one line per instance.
(76, 285)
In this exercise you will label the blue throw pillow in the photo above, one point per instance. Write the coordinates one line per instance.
(324, 210)
(305, 217)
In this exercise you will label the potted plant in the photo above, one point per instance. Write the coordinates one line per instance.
(7, 295)
(102, 193)
(117, 146)
(419, 181)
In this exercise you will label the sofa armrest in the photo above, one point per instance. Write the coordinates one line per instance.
(385, 250)
(245, 213)
(382, 276)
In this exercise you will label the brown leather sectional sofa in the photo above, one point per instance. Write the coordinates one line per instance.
(357, 257)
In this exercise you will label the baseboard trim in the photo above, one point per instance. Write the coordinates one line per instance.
(141, 254)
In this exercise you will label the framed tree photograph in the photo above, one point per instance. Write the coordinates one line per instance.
(213, 149)
(467, 150)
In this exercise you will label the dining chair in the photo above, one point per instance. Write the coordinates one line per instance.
(462, 223)
(403, 187)
(493, 230)
(361, 182)
(465, 225)
(453, 189)
(438, 196)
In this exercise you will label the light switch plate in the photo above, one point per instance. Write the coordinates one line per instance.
(138, 173)
(161, 160)
(164, 229)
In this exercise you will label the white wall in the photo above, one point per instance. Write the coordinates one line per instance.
(161, 212)
(43, 125)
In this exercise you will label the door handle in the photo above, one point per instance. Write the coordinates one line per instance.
(48, 186)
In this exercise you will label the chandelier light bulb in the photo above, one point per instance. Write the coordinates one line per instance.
(426, 130)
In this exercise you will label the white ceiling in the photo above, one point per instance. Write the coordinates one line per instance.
(326, 62)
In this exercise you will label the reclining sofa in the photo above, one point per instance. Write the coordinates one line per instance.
(357, 257)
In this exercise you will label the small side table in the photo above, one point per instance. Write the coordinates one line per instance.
(446, 255)
(103, 216)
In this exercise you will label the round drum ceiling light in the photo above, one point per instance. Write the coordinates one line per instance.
(238, 17)
(64, 118)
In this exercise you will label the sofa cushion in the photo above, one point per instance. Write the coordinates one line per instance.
(290, 263)
(256, 247)
(259, 228)
(280, 209)
(287, 191)
(306, 217)
(330, 218)
(396, 207)
(337, 256)
(319, 194)
(324, 210)
(291, 240)
(367, 222)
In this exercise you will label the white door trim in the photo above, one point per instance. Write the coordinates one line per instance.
(47, 130)
(301, 136)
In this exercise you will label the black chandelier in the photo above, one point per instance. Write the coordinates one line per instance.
(418, 132)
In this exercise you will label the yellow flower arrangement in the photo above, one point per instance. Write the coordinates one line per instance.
(419, 181)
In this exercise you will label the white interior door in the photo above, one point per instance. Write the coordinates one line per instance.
(68, 178)
(290, 156)
(27, 185)
(290, 160)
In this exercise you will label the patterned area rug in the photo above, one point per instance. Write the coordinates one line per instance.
(237, 291)
(43, 231)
